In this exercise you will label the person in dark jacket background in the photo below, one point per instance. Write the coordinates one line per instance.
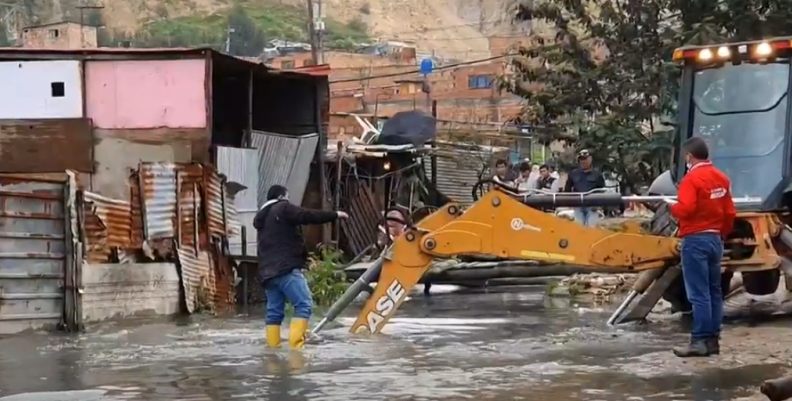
(585, 178)
(282, 256)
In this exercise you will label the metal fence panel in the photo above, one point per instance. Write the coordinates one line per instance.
(284, 160)
(32, 255)
(242, 166)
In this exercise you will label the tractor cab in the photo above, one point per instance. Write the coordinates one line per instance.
(735, 97)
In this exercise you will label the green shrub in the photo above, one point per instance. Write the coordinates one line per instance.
(326, 281)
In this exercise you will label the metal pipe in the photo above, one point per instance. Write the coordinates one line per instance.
(360, 285)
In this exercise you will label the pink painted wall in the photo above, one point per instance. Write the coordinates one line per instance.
(131, 94)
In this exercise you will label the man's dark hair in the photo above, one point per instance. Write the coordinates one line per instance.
(544, 167)
(276, 191)
(501, 162)
(697, 148)
(525, 166)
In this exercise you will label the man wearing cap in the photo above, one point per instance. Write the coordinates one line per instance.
(585, 178)
(282, 256)
(705, 212)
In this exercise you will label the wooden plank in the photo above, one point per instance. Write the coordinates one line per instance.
(46, 146)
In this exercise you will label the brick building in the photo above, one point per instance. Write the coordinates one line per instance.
(60, 35)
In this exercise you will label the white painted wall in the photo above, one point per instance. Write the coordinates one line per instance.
(113, 291)
(26, 89)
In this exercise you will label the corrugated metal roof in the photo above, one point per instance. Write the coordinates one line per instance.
(319, 70)
(158, 181)
(107, 50)
(197, 278)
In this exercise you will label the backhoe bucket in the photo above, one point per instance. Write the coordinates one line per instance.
(649, 296)
(361, 284)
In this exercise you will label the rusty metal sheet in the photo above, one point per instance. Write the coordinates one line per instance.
(190, 198)
(158, 183)
(189, 207)
(46, 146)
(213, 196)
(198, 278)
(96, 249)
(284, 160)
(116, 217)
(136, 211)
(360, 229)
(225, 293)
(32, 254)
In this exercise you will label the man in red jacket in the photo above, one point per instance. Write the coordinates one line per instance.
(705, 212)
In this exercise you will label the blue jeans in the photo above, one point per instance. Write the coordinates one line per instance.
(290, 287)
(586, 216)
(701, 269)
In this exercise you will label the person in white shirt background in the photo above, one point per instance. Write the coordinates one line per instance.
(527, 178)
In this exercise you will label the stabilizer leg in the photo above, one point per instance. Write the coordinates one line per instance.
(650, 297)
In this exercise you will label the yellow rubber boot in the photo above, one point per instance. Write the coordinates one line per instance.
(297, 333)
(273, 336)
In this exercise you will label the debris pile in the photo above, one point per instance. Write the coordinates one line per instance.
(595, 284)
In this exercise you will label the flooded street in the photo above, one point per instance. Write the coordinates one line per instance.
(506, 345)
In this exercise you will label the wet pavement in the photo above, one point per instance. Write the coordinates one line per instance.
(505, 345)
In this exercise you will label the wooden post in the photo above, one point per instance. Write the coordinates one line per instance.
(337, 191)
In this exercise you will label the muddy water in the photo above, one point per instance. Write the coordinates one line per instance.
(508, 345)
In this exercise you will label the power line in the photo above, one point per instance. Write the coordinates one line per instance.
(441, 68)
(468, 38)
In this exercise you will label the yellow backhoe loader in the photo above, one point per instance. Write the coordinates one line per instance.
(735, 96)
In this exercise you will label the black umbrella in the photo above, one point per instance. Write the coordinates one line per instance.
(408, 127)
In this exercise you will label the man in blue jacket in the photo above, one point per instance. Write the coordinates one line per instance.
(282, 256)
(584, 179)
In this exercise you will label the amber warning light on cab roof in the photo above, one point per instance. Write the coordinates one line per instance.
(736, 52)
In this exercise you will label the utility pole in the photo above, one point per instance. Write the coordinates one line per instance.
(314, 38)
(82, 9)
(229, 31)
(320, 28)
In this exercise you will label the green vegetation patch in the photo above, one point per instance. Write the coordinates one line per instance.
(253, 25)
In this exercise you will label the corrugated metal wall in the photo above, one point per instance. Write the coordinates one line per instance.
(284, 160)
(242, 166)
(32, 254)
(360, 230)
(458, 170)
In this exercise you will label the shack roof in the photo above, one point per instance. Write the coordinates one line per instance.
(37, 53)
(146, 53)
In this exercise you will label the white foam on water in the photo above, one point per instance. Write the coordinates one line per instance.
(81, 395)
(423, 325)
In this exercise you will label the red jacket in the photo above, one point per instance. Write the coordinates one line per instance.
(704, 202)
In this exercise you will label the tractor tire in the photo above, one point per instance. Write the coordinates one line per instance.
(664, 225)
(761, 283)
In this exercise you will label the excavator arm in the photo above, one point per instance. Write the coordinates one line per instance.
(500, 225)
